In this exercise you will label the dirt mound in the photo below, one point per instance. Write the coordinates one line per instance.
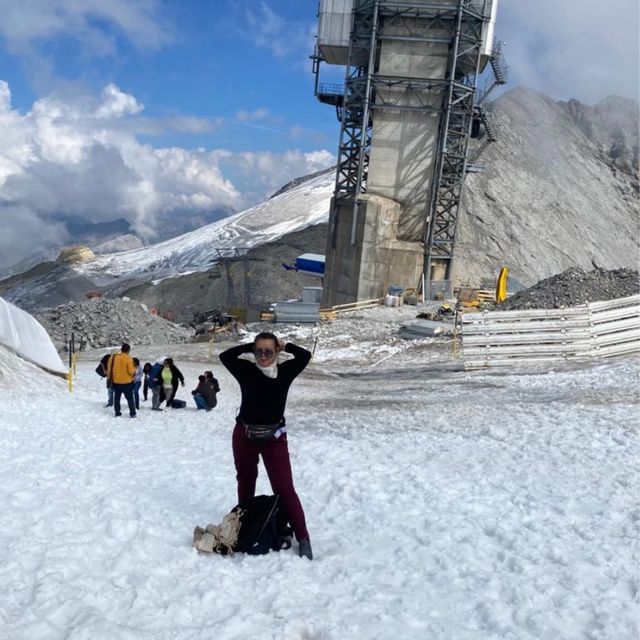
(108, 322)
(574, 287)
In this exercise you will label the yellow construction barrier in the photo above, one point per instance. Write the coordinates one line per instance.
(501, 285)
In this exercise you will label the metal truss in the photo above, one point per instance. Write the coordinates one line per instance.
(458, 110)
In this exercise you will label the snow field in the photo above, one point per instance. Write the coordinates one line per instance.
(441, 504)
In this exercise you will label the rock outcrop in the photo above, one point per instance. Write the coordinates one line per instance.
(75, 255)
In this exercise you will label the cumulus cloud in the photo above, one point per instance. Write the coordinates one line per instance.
(585, 49)
(83, 159)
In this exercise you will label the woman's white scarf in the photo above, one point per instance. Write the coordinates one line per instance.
(272, 370)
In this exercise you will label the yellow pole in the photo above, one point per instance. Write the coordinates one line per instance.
(70, 380)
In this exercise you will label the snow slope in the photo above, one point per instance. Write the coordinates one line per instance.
(442, 504)
(297, 208)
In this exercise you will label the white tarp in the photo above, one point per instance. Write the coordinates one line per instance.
(22, 333)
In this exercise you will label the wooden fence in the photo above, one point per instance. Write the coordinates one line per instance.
(538, 336)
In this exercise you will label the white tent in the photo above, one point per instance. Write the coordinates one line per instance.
(22, 333)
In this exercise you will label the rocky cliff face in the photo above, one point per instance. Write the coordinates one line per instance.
(554, 195)
(612, 125)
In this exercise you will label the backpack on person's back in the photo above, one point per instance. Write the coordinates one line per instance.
(101, 369)
(255, 527)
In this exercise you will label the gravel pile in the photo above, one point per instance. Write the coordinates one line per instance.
(574, 287)
(108, 322)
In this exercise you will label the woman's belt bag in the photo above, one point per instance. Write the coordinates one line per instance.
(260, 432)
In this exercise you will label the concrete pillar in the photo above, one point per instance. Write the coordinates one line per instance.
(378, 260)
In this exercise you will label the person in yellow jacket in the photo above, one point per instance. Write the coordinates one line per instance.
(121, 370)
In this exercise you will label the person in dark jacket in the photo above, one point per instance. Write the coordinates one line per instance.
(105, 374)
(265, 369)
(171, 376)
(155, 384)
(205, 394)
(146, 370)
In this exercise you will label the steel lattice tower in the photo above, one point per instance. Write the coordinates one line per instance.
(457, 27)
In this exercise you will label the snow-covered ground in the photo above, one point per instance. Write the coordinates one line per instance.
(442, 504)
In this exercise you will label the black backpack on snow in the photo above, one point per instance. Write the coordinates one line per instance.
(264, 526)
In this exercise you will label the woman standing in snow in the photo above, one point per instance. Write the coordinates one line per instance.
(265, 369)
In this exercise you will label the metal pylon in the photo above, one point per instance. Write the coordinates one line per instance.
(455, 132)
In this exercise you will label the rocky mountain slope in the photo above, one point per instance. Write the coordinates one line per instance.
(551, 197)
(559, 190)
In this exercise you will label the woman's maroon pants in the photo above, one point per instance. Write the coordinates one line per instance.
(275, 455)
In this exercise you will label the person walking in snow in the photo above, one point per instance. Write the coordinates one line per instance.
(121, 371)
(171, 376)
(155, 384)
(265, 369)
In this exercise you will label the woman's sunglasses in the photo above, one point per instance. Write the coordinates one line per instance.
(263, 353)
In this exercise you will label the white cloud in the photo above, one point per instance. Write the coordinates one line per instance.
(114, 103)
(282, 37)
(585, 49)
(25, 24)
(82, 158)
(77, 159)
(252, 116)
(263, 172)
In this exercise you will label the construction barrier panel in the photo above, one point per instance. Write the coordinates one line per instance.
(537, 336)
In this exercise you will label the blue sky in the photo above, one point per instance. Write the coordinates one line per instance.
(242, 68)
(123, 108)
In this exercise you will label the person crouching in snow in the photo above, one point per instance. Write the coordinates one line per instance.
(205, 394)
(265, 369)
